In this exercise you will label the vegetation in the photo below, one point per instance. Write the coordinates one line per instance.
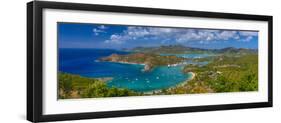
(150, 60)
(172, 49)
(180, 49)
(74, 86)
(223, 74)
(230, 70)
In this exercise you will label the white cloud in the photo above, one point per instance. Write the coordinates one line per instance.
(116, 39)
(207, 35)
(99, 29)
(247, 39)
(248, 33)
(179, 35)
(102, 27)
(225, 35)
(248, 36)
(137, 32)
(189, 35)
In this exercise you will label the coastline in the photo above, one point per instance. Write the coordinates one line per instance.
(104, 79)
(185, 82)
(192, 75)
(121, 62)
(158, 90)
(178, 85)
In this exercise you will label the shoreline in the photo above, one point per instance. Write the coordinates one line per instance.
(121, 62)
(142, 64)
(124, 62)
(104, 79)
(185, 82)
(192, 75)
(178, 85)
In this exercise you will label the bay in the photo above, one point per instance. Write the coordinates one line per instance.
(84, 62)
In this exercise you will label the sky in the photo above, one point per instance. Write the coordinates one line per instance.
(99, 36)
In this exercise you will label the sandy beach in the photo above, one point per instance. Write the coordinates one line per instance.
(181, 84)
(192, 75)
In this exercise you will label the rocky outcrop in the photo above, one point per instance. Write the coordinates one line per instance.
(147, 67)
(112, 57)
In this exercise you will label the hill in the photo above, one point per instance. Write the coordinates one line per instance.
(180, 49)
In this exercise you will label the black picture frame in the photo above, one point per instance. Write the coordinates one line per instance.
(35, 69)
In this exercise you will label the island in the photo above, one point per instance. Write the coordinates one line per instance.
(149, 60)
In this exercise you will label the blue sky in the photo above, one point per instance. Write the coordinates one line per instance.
(75, 35)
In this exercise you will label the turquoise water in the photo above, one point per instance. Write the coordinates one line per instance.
(158, 78)
(85, 62)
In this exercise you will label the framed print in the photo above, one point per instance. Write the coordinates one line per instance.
(95, 61)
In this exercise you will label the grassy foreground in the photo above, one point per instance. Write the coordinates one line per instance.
(74, 86)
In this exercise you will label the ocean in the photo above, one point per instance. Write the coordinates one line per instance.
(84, 62)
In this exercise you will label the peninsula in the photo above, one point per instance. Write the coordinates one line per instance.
(149, 60)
